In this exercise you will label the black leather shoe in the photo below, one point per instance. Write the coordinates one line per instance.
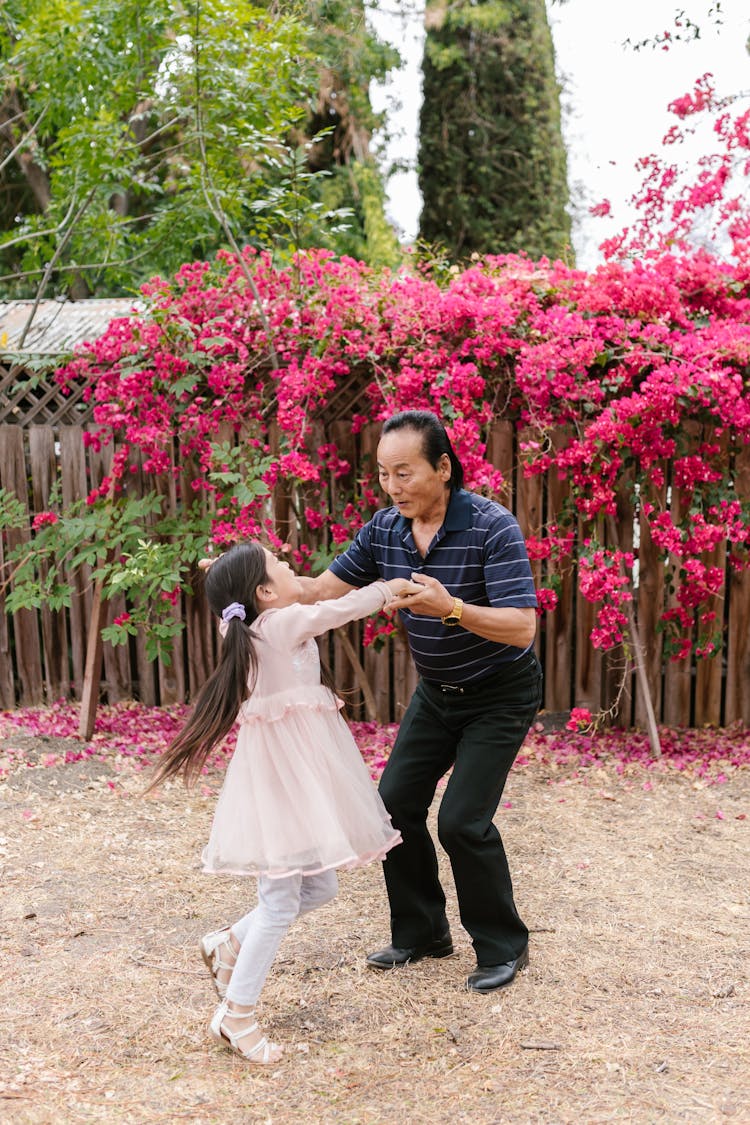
(394, 955)
(487, 978)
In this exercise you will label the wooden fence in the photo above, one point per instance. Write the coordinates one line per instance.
(42, 653)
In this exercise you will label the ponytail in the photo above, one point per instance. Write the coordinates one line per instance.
(231, 581)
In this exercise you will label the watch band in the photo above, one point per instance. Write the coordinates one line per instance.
(454, 616)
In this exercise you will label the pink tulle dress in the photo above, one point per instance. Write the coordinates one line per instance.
(297, 796)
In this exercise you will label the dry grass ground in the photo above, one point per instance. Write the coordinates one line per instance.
(634, 1007)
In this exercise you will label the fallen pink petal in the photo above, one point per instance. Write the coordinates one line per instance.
(139, 734)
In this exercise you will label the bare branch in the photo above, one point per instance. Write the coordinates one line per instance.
(36, 177)
(25, 138)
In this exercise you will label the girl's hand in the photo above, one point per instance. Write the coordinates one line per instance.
(402, 589)
(427, 597)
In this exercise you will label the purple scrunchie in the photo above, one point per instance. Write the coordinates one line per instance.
(236, 609)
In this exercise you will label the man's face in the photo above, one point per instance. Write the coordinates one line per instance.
(418, 490)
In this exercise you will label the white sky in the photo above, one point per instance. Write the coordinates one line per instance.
(614, 98)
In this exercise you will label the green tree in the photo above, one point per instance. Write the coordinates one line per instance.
(492, 166)
(135, 135)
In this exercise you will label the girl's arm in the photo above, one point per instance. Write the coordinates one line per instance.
(290, 626)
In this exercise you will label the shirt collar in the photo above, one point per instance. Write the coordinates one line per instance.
(457, 517)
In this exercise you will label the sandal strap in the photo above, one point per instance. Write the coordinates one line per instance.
(259, 1052)
(214, 949)
(234, 1038)
(211, 941)
(217, 964)
(241, 1016)
(262, 1044)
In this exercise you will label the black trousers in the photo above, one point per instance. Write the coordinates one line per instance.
(479, 734)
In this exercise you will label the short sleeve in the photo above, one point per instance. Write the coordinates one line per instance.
(357, 565)
(507, 571)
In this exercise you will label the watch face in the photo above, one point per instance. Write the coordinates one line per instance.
(454, 617)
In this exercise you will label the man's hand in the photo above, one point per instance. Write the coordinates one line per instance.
(505, 625)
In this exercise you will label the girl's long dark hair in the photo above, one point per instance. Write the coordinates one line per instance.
(233, 577)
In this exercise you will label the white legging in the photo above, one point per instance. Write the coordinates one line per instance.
(261, 932)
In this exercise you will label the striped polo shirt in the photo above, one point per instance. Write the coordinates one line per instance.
(478, 554)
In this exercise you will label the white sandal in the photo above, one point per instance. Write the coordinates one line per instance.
(211, 953)
(263, 1049)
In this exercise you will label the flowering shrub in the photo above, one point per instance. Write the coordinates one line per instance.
(632, 379)
(676, 209)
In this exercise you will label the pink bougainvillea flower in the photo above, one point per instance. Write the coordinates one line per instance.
(600, 210)
(44, 519)
(580, 718)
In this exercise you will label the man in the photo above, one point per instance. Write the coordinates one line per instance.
(471, 629)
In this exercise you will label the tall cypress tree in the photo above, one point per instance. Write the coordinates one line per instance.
(492, 165)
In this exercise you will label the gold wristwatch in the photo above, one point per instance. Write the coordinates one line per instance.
(454, 616)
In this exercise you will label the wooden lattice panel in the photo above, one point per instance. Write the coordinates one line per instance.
(35, 338)
(348, 398)
(33, 398)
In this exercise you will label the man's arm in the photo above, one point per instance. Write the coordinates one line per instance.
(322, 588)
(505, 625)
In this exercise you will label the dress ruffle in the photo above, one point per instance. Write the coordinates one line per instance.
(272, 708)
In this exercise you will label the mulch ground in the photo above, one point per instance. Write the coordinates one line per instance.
(634, 1007)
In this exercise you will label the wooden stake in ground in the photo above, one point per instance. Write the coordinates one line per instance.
(93, 670)
(92, 675)
(640, 665)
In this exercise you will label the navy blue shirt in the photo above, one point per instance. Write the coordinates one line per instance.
(478, 554)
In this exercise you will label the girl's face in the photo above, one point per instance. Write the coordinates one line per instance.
(283, 581)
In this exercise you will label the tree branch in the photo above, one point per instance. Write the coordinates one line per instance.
(6, 127)
(359, 672)
(212, 199)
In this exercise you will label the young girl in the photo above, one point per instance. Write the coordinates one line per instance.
(297, 800)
